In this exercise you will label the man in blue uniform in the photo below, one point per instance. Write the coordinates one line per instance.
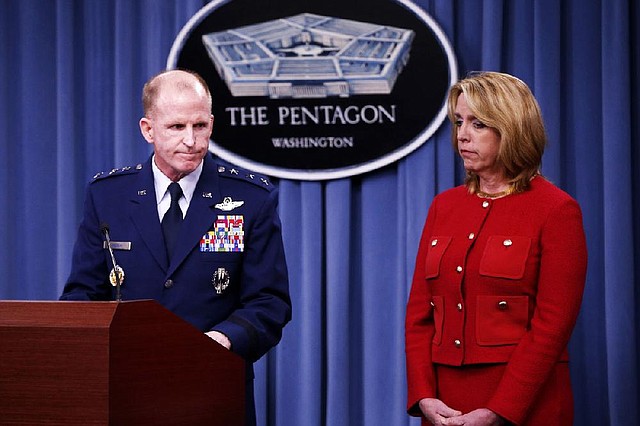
(220, 263)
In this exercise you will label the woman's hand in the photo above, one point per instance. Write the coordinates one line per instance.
(436, 411)
(479, 417)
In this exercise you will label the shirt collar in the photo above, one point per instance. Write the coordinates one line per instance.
(187, 183)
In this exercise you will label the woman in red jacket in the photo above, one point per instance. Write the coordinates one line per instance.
(499, 274)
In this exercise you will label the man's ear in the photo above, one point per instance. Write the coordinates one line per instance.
(212, 120)
(146, 129)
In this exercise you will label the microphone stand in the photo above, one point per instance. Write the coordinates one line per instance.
(117, 270)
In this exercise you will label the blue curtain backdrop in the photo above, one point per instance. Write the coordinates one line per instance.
(71, 72)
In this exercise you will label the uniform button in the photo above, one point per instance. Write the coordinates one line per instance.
(485, 204)
(472, 236)
(434, 242)
(459, 306)
(433, 305)
(168, 284)
(457, 343)
(507, 243)
(459, 268)
(502, 305)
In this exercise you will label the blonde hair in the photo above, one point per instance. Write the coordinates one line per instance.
(504, 103)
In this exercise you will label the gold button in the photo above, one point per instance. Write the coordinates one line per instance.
(502, 305)
(459, 269)
(472, 236)
(507, 243)
(432, 304)
(460, 306)
(434, 242)
(485, 204)
(457, 343)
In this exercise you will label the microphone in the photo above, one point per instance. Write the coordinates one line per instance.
(116, 276)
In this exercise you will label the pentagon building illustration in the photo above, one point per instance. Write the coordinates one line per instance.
(309, 56)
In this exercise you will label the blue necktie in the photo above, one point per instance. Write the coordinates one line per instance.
(172, 219)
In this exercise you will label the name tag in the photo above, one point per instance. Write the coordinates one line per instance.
(118, 245)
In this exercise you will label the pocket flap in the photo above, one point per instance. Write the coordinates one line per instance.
(437, 247)
(501, 320)
(505, 257)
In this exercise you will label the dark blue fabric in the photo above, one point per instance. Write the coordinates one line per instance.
(71, 72)
(172, 218)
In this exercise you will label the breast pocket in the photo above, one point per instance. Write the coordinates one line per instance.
(222, 272)
(505, 257)
(437, 247)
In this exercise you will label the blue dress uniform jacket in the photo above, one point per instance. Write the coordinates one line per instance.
(237, 207)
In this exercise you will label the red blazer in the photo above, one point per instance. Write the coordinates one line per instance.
(496, 281)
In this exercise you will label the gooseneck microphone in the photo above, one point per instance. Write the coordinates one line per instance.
(116, 276)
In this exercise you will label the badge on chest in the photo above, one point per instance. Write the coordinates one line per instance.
(221, 280)
(227, 235)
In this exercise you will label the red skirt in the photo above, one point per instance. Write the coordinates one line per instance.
(471, 387)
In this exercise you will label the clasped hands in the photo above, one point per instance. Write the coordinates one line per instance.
(440, 414)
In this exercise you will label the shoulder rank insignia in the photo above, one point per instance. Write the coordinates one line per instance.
(245, 175)
(114, 172)
(228, 204)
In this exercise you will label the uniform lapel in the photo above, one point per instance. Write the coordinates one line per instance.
(144, 214)
(201, 214)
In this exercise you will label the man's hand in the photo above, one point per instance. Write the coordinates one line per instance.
(220, 338)
(436, 411)
(479, 417)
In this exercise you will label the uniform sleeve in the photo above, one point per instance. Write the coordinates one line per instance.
(563, 265)
(419, 329)
(265, 308)
(88, 279)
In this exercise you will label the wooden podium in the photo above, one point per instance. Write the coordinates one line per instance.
(113, 363)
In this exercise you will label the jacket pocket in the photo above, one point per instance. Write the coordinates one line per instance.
(505, 257)
(501, 320)
(437, 247)
(437, 307)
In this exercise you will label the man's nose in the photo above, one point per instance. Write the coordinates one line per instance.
(189, 138)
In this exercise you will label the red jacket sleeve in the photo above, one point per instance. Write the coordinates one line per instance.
(419, 329)
(561, 281)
